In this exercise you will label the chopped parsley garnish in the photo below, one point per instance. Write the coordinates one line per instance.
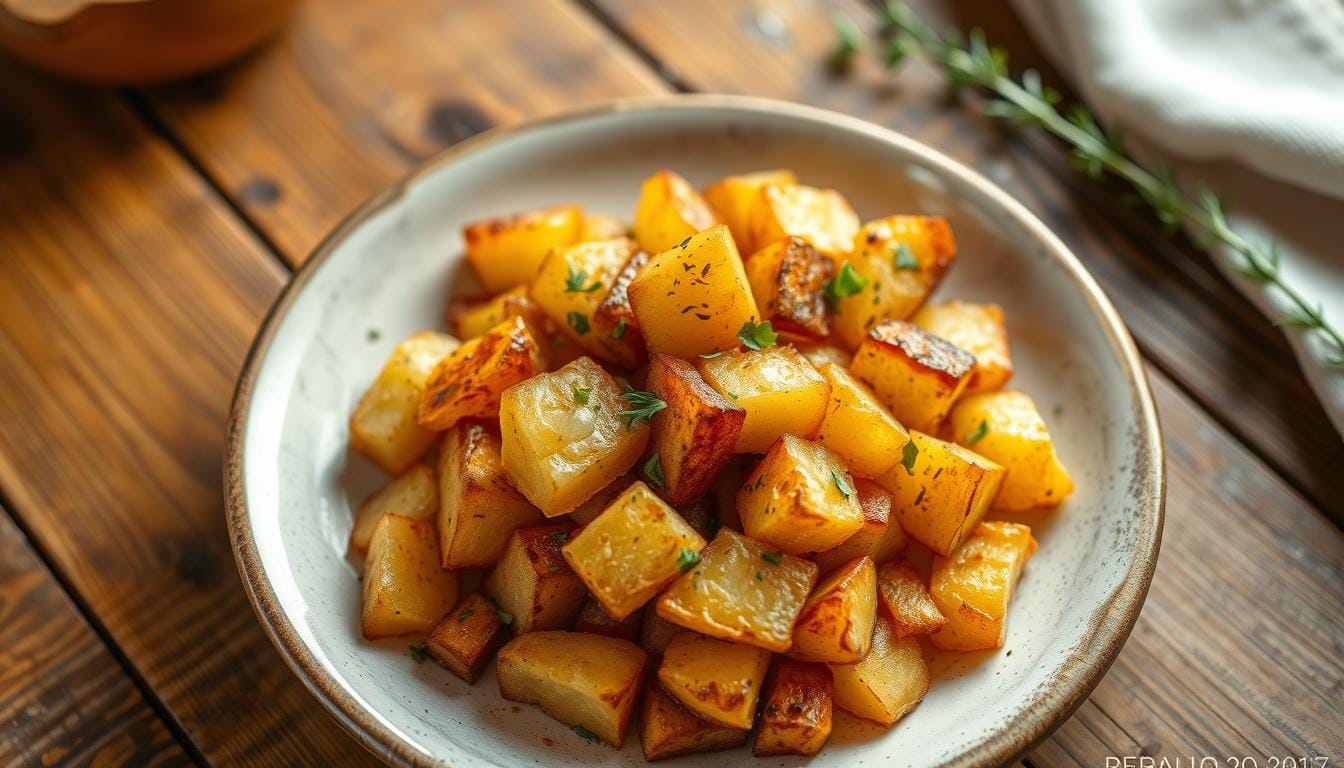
(581, 395)
(757, 335)
(466, 613)
(653, 469)
(908, 455)
(559, 537)
(760, 576)
(619, 331)
(374, 334)
(642, 406)
(419, 653)
(585, 734)
(687, 559)
(904, 258)
(711, 355)
(978, 432)
(579, 322)
(842, 483)
(505, 617)
(553, 568)
(574, 281)
(733, 395)
(773, 558)
(847, 283)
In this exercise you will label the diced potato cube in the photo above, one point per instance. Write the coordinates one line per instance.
(973, 586)
(821, 354)
(414, 493)
(800, 498)
(468, 383)
(470, 319)
(404, 589)
(823, 217)
(596, 504)
(694, 297)
(978, 329)
(903, 258)
(532, 584)
(465, 639)
(743, 591)
(573, 285)
(1006, 428)
(836, 624)
(796, 710)
(657, 632)
(902, 591)
(858, 426)
(694, 436)
(601, 226)
(733, 197)
(632, 550)
(594, 619)
(589, 681)
(479, 510)
(941, 490)
(916, 374)
(716, 680)
(383, 426)
(614, 320)
(787, 278)
(666, 729)
(564, 437)
(506, 252)
(669, 211)
(881, 537)
(890, 681)
(781, 392)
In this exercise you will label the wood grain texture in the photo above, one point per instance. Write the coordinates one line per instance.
(63, 698)
(1185, 317)
(355, 93)
(128, 296)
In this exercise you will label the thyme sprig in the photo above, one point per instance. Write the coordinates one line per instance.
(968, 61)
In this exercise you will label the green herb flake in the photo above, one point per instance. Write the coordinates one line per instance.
(773, 558)
(374, 334)
(559, 537)
(581, 395)
(845, 284)
(579, 322)
(920, 497)
(757, 335)
(978, 433)
(619, 331)
(419, 653)
(505, 617)
(643, 405)
(904, 258)
(760, 576)
(733, 395)
(842, 483)
(687, 559)
(908, 455)
(553, 568)
(574, 281)
(466, 613)
(585, 734)
(711, 355)
(653, 470)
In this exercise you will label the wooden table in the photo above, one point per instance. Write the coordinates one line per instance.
(144, 232)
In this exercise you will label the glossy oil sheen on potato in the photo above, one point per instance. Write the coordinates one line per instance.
(469, 382)
(573, 283)
(978, 329)
(914, 373)
(478, 508)
(780, 391)
(694, 436)
(505, 252)
(669, 210)
(732, 198)
(383, 426)
(1006, 428)
(414, 493)
(974, 585)
(836, 623)
(881, 537)
(942, 491)
(787, 278)
(823, 217)
(795, 710)
(890, 681)
(800, 498)
(858, 426)
(405, 590)
(714, 679)
(905, 597)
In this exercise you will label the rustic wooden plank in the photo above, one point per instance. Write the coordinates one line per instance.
(128, 296)
(64, 699)
(355, 93)
(1185, 316)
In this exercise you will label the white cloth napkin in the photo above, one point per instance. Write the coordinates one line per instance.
(1247, 95)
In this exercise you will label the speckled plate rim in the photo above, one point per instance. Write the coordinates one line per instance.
(1082, 670)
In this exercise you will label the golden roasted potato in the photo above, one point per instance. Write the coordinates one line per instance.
(693, 298)
(858, 426)
(900, 259)
(404, 588)
(505, 252)
(941, 490)
(564, 437)
(594, 619)
(733, 197)
(573, 286)
(666, 729)
(414, 494)
(781, 392)
(472, 318)
(632, 550)
(601, 226)
(881, 537)
(743, 591)
(787, 278)
(800, 498)
(695, 434)
(821, 354)
(478, 509)
(465, 639)
(596, 504)
(1006, 428)
(978, 329)
(383, 426)
(716, 680)
(973, 586)
(669, 211)
(916, 374)
(614, 321)
(589, 681)
(890, 681)
(909, 605)
(469, 382)
(796, 709)
(836, 624)
(656, 632)
(532, 585)
(823, 217)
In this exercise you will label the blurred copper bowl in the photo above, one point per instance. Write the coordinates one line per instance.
(135, 41)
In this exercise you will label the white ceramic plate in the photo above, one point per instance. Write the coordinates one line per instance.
(292, 483)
